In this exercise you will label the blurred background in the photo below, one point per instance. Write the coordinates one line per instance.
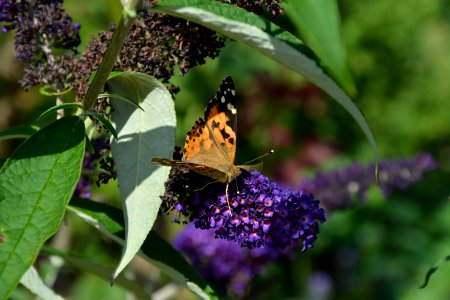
(398, 60)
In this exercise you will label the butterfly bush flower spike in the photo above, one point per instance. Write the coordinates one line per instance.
(263, 213)
(340, 188)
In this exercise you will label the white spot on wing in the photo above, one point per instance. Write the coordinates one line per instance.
(231, 108)
(222, 99)
(233, 92)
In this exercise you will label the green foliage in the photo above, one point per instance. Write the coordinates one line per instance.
(155, 249)
(269, 39)
(36, 184)
(318, 22)
(434, 269)
(34, 283)
(398, 56)
(58, 107)
(18, 132)
(104, 121)
(142, 134)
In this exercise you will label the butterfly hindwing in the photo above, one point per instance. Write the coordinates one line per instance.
(198, 141)
(201, 169)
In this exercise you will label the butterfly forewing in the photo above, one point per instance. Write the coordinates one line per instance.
(221, 118)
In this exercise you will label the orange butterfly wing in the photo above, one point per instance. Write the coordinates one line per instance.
(210, 146)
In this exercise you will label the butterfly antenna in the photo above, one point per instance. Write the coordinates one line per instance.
(259, 157)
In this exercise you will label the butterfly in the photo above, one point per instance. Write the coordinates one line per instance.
(210, 147)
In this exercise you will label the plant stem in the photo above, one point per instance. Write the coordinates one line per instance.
(108, 61)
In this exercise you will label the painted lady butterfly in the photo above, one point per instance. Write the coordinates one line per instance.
(210, 147)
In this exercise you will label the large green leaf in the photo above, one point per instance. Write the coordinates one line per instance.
(269, 39)
(32, 281)
(142, 134)
(36, 183)
(318, 23)
(156, 250)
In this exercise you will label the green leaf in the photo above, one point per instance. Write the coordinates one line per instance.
(32, 281)
(102, 120)
(434, 269)
(36, 183)
(318, 23)
(98, 270)
(142, 136)
(48, 90)
(18, 132)
(118, 97)
(269, 39)
(58, 107)
(156, 250)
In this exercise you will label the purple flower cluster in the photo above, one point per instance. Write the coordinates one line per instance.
(340, 188)
(228, 266)
(263, 214)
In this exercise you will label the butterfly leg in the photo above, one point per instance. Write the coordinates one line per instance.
(226, 195)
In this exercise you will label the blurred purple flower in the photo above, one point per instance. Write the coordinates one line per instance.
(263, 214)
(227, 265)
(320, 286)
(340, 188)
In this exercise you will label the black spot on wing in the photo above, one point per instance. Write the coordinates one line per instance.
(214, 125)
(224, 134)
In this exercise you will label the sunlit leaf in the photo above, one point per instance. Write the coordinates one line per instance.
(32, 281)
(142, 135)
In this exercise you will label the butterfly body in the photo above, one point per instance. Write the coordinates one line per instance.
(210, 146)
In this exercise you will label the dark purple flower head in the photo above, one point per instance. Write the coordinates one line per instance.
(41, 25)
(342, 188)
(228, 266)
(263, 214)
